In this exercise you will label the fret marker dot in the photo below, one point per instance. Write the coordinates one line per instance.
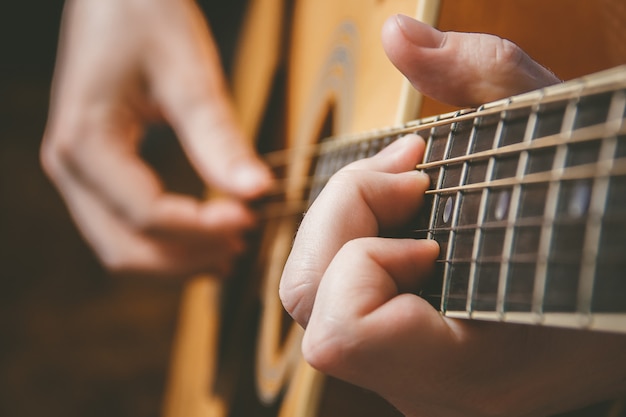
(447, 210)
(579, 201)
(503, 205)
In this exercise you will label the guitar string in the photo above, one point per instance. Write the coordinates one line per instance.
(558, 93)
(579, 172)
(598, 132)
(587, 134)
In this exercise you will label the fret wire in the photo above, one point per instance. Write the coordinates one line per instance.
(433, 212)
(510, 229)
(594, 228)
(482, 210)
(433, 218)
(545, 240)
(598, 208)
(454, 220)
(428, 148)
(514, 210)
(615, 118)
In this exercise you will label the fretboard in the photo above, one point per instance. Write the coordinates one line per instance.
(527, 202)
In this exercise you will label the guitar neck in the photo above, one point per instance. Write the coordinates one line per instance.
(528, 203)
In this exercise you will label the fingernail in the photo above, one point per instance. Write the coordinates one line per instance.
(418, 33)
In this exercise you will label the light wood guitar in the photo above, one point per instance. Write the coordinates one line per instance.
(527, 203)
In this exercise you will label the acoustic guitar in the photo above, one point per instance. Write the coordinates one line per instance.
(527, 203)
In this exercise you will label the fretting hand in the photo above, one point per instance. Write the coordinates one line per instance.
(354, 291)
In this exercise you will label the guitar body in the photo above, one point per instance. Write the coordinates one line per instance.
(305, 70)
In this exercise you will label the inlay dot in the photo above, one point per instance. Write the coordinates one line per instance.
(579, 200)
(447, 210)
(503, 205)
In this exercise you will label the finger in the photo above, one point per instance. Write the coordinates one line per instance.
(104, 162)
(372, 271)
(463, 69)
(355, 203)
(360, 297)
(125, 250)
(185, 74)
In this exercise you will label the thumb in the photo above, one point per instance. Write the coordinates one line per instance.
(462, 69)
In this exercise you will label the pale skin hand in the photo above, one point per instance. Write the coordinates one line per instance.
(123, 64)
(354, 291)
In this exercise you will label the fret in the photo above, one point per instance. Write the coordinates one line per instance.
(546, 274)
(460, 133)
(493, 230)
(443, 215)
(484, 240)
(593, 289)
(515, 123)
(555, 277)
(550, 117)
(507, 246)
(455, 279)
(485, 130)
(435, 150)
(593, 109)
(609, 293)
(452, 176)
(505, 166)
(515, 289)
(594, 228)
(477, 171)
(439, 143)
(470, 204)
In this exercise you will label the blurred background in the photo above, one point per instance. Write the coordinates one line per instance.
(74, 341)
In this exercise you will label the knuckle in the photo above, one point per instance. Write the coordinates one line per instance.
(325, 348)
(507, 53)
(292, 298)
(58, 153)
(346, 180)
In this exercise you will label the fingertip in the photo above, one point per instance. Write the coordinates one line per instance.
(251, 179)
(431, 247)
(423, 178)
(226, 214)
(402, 146)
